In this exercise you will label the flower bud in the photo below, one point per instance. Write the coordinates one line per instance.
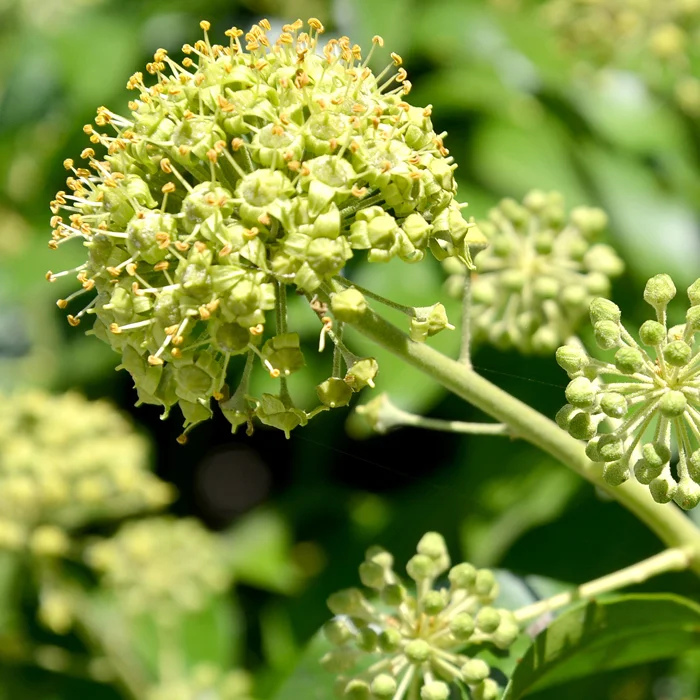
(673, 404)
(572, 359)
(644, 473)
(607, 334)
(659, 291)
(435, 690)
(462, 626)
(393, 594)
(692, 318)
(487, 620)
(652, 333)
(420, 567)
(367, 639)
(337, 631)
(694, 293)
(616, 473)
(610, 448)
(485, 585)
(604, 310)
(372, 575)
(677, 353)
(592, 449)
(687, 495)
(663, 488)
(348, 602)
(475, 671)
(628, 360)
(488, 690)
(349, 305)
(462, 576)
(581, 393)
(433, 602)
(357, 690)
(390, 640)
(418, 651)
(582, 426)
(614, 405)
(383, 686)
(694, 466)
(564, 416)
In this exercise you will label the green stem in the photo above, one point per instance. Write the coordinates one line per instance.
(391, 416)
(408, 310)
(666, 520)
(674, 559)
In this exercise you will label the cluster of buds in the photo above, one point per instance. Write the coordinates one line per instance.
(206, 681)
(414, 644)
(640, 413)
(245, 169)
(657, 38)
(535, 280)
(66, 462)
(162, 564)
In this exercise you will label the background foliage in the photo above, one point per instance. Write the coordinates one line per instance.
(295, 516)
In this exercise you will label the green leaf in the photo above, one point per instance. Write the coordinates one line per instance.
(258, 550)
(309, 680)
(599, 636)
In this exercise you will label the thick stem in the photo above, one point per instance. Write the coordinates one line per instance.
(667, 521)
(675, 559)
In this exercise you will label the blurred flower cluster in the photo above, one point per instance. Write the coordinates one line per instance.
(540, 271)
(657, 38)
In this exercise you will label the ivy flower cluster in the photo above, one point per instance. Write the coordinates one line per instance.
(162, 565)
(412, 645)
(65, 462)
(640, 412)
(542, 268)
(245, 169)
(657, 38)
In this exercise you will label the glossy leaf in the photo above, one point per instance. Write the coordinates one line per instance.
(599, 636)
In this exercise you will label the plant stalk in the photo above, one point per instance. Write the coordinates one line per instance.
(665, 520)
(674, 559)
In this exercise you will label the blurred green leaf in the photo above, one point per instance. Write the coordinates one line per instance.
(258, 551)
(599, 636)
(309, 681)
(514, 504)
(657, 231)
(514, 159)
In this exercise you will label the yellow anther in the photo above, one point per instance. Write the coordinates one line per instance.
(204, 25)
(316, 24)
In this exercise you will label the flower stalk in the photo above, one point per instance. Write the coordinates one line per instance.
(673, 559)
(665, 520)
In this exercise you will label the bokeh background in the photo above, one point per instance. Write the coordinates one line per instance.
(296, 515)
